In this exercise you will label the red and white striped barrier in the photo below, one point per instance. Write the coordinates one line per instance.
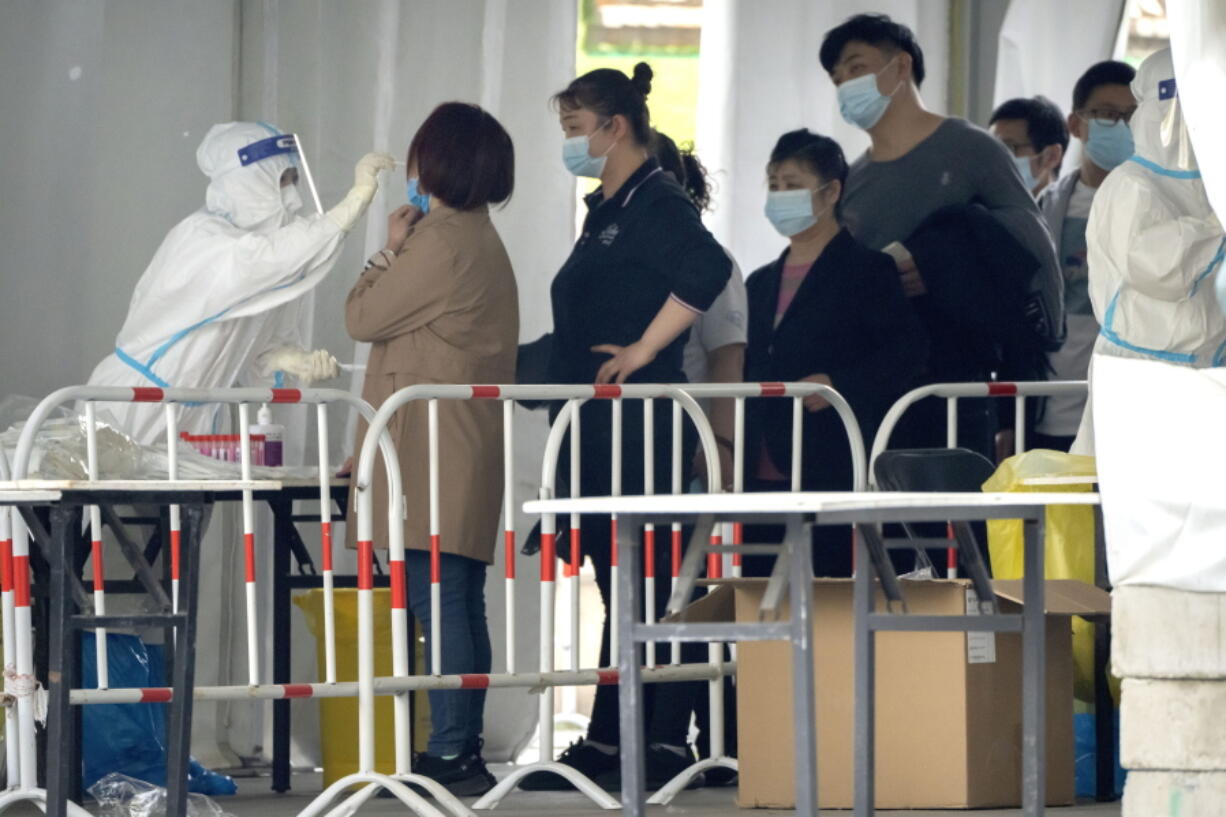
(400, 684)
(22, 752)
(575, 396)
(366, 684)
(11, 748)
(392, 685)
(951, 393)
(715, 564)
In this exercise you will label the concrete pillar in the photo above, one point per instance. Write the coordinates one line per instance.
(1169, 647)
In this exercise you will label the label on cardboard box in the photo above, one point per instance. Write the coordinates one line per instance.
(980, 647)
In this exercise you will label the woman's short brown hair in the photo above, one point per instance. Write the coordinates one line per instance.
(463, 156)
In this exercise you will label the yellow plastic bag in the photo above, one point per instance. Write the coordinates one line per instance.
(1070, 540)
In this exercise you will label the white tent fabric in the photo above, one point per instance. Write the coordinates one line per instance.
(1198, 46)
(105, 103)
(760, 77)
(1160, 448)
(1043, 51)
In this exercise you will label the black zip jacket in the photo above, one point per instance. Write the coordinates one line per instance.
(850, 321)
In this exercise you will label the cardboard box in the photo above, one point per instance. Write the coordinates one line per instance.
(948, 704)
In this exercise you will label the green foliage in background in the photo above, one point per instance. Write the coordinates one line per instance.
(674, 91)
(587, 13)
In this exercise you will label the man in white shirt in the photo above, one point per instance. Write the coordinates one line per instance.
(1102, 106)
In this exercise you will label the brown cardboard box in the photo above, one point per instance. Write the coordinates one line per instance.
(948, 704)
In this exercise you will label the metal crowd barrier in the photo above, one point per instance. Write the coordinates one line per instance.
(18, 650)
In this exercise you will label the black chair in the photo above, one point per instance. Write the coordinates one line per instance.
(932, 470)
(939, 470)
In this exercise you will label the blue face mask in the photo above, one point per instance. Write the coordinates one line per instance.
(791, 211)
(860, 103)
(1023, 167)
(1110, 144)
(417, 198)
(578, 158)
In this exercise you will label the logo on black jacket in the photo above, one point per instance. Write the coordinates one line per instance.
(608, 234)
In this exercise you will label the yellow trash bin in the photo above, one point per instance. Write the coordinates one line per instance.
(1069, 551)
(338, 717)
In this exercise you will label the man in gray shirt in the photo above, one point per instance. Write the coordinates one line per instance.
(920, 162)
(957, 163)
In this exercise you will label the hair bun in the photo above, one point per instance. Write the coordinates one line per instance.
(641, 79)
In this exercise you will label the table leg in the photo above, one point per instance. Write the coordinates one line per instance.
(1034, 671)
(179, 723)
(798, 544)
(864, 682)
(63, 749)
(630, 688)
(161, 533)
(282, 639)
(1104, 704)
(40, 611)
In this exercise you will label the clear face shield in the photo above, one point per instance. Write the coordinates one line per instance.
(1173, 132)
(289, 145)
(1159, 128)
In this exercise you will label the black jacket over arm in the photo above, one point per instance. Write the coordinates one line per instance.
(977, 275)
(850, 321)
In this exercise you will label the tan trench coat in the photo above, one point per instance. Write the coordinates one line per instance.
(446, 311)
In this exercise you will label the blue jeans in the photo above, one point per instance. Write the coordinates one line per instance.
(456, 716)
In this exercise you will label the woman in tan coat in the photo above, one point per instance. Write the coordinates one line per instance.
(439, 305)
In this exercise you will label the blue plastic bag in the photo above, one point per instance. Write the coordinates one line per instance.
(1085, 750)
(131, 738)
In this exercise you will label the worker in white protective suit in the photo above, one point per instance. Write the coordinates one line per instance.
(1154, 244)
(220, 303)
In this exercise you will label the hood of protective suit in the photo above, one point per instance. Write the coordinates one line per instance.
(248, 196)
(1158, 127)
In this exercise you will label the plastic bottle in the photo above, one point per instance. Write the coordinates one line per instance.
(273, 436)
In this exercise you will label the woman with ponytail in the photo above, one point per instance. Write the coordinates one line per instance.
(643, 270)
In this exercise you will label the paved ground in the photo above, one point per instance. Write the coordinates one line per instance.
(255, 800)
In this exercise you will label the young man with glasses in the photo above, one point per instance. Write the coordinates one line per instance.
(1103, 104)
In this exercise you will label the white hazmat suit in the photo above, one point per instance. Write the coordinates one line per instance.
(1155, 245)
(1198, 47)
(219, 304)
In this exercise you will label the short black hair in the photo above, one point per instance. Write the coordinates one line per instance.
(1045, 123)
(463, 156)
(608, 92)
(1107, 72)
(820, 154)
(879, 31)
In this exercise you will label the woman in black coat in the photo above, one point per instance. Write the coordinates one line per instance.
(828, 310)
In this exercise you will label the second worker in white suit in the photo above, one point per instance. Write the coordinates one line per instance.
(1154, 244)
(220, 303)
